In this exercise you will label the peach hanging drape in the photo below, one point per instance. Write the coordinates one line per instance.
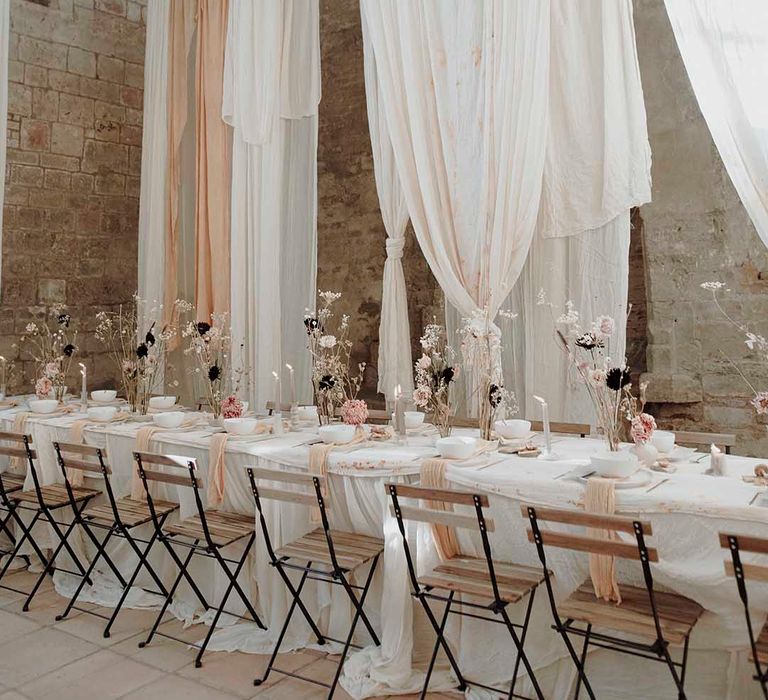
(213, 164)
(182, 16)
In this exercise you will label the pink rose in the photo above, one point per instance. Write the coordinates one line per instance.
(354, 412)
(642, 427)
(231, 407)
(42, 387)
(760, 402)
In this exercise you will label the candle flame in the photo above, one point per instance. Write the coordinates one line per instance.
(290, 369)
(539, 399)
(275, 375)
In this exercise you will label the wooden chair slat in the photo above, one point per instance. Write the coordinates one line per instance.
(582, 429)
(164, 460)
(685, 437)
(289, 496)
(284, 407)
(747, 543)
(16, 452)
(756, 572)
(285, 476)
(442, 517)
(466, 498)
(14, 437)
(587, 519)
(82, 466)
(81, 449)
(177, 479)
(593, 545)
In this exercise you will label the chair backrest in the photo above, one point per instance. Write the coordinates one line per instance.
(85, 458)
(20, 445)
(744, 543)
(588, 543)
(438, 517)
(284, 407)
(581, 429)
(144, 459)
(725, 441)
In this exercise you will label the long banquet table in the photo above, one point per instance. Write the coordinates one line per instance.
(687, 510)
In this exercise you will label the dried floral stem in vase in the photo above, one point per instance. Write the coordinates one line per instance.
(434, 374)
(331, 349)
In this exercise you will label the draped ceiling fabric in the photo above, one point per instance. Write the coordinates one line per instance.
(513, 121)
(271, 96)
(5, 21)
(213, 164)
(724, 45)
(395, 362)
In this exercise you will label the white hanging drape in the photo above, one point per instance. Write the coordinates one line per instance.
(5, 24)
(724, 45)
(271, 93)
(154, 156)
(395, 363)
(464, 89)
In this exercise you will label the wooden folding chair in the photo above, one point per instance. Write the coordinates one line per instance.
(580, 429)
(46, 503)
(205, 534)
(725, 441)
(341, 552)
(119, 517)
(757, 572)
(664, 618)
(9, 483)
(500, 583)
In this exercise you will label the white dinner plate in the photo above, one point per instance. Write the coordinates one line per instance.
(679, 454)
(642, 477)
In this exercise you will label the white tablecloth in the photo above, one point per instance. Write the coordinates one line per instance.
(687, 512)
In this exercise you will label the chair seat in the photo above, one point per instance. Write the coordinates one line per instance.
(677, 614)
(761, 643)
(12, 482)
(55, 495)
(470, 575)
(351, 549)
(224, 528)
(132, 512)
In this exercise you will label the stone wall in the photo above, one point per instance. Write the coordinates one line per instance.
(695, 230)
(74, 157)
(350, 232)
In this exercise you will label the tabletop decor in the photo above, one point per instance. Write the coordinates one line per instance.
(752, 340)
(435, 371)
(330, 349)
(354, 412)
(50, 341)
(138, 355)
(641, 426)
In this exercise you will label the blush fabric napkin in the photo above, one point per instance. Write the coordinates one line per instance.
(600, 497)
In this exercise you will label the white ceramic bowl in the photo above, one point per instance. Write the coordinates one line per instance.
(338, 432)
(240, 426)
(513, 428)
(663, 441)
(104, 395)
(456, 447)
(171, 419)
(103, 414)
(616, 465)
(414, 419)
(307, 413)
(43, 405)
(162, 401)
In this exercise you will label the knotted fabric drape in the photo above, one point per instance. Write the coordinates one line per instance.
(271, 94)
(5, 22)
(395, 365)
(724, 44)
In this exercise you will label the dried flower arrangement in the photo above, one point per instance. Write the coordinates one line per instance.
(49, 340)
(330, 350)
(139, 355)
(434, 374)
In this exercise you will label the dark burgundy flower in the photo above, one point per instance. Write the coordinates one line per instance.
(447, 375)
(494, 395)
(589, 341)
(149, 339)
(326, 383)
(214, 373)
(69, 349)
(64, 320)
(203, 327)
(311, 324)
(617, 378)
(142, 350)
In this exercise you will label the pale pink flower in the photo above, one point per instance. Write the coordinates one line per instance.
(424, 362)
(52, 369)
(42, 387)
(642, 427)
(597, 376)
(605, 324)
(231, 407)
(327, 341)
(354, 412)
(422, 395)
(760, 402)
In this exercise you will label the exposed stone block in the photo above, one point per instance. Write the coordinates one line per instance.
(35, 135)
(111, 69)
(67, 140)
(42, 53)
(103, 157)
(76, 110)
(45, 104)
(81, 62)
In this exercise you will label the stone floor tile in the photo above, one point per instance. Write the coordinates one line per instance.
(91, 628)
(13, 627)
(172, 687)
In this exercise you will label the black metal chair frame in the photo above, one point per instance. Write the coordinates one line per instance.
(8, 507)
(497, 606)
(337, 575)
(117, 529)
(761, 675)
(209, 549)
(656, 651)
(46, 513)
